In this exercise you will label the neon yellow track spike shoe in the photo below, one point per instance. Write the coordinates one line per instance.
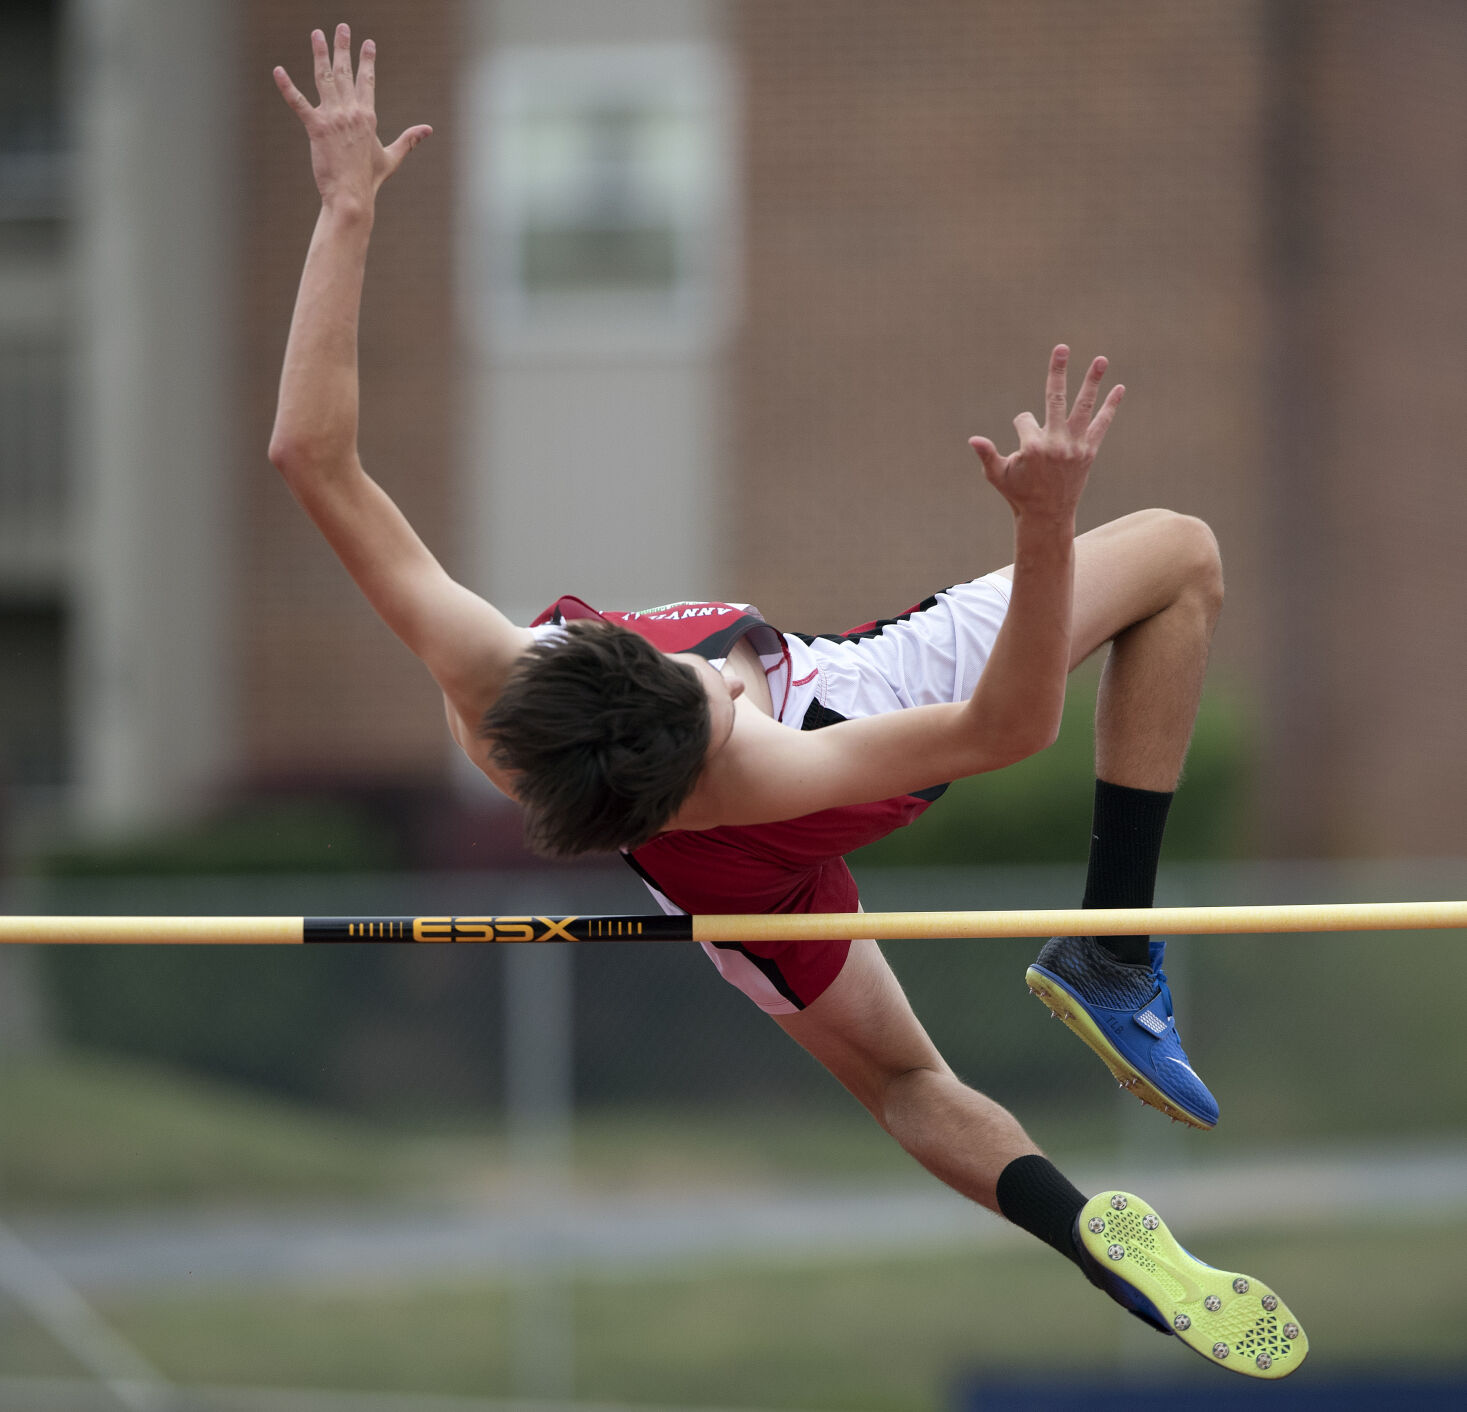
(1230, 1319)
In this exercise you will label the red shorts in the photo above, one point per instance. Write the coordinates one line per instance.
(745, 870)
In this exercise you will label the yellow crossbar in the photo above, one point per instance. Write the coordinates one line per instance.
(1157, 921)
(884, 926)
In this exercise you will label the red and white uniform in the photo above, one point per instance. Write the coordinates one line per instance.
(933, 652)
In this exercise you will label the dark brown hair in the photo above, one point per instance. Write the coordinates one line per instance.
(605, 736)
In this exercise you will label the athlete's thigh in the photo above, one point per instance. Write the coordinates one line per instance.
(862, 1028)
(1127, 570)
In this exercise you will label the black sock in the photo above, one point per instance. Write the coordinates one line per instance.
(1037, 1197)
(1125, 847)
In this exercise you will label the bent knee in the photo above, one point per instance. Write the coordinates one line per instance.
(1190, 549)
(1204, 560)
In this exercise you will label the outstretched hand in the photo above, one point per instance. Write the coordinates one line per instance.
(1048, 471)
(349, 161)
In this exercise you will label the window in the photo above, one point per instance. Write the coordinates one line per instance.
(35, 373)
(32, 713)
(33, 378)
(32, 166)
(602, 198)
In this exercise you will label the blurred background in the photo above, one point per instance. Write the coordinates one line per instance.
(701, 299)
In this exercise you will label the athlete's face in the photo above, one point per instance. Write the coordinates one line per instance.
(723, 690)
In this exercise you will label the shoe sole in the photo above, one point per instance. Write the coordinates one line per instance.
(1065, 1005)
(1230, 1319)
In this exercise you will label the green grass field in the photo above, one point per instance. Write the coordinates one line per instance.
(100, 1132)
(862, 1334)
(82, 1130)
(884, 1336)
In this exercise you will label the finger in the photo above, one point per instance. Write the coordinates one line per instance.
(367, 71)
(1056, 388)
(321, 59)
(1027, 425)
(341, 59)
(1103, 418)
(993, 463)
(1089, 391)
(405, 144)
(297, 100)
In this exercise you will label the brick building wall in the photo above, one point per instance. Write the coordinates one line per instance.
(1387, 217)
(938, 191)
(936, 194)
(935, 191)
(328, 692)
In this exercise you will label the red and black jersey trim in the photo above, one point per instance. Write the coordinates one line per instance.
(720, 644)
(871, 629)
(716, 645)
(672, 631)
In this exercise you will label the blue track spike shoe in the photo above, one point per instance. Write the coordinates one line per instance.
(1230, 1319)
(1124, 1013)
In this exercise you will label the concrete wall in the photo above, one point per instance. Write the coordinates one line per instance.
(154, 690)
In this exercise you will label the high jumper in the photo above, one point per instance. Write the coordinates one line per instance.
(734, 765)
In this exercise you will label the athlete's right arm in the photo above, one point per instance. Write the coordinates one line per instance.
(467, 644)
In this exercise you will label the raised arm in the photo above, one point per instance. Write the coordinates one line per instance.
(769, 772)
(467, 644)
(1021, 693)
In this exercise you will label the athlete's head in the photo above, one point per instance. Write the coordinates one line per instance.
(605, 736)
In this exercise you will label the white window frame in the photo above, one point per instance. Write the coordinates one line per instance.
(693, 314)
